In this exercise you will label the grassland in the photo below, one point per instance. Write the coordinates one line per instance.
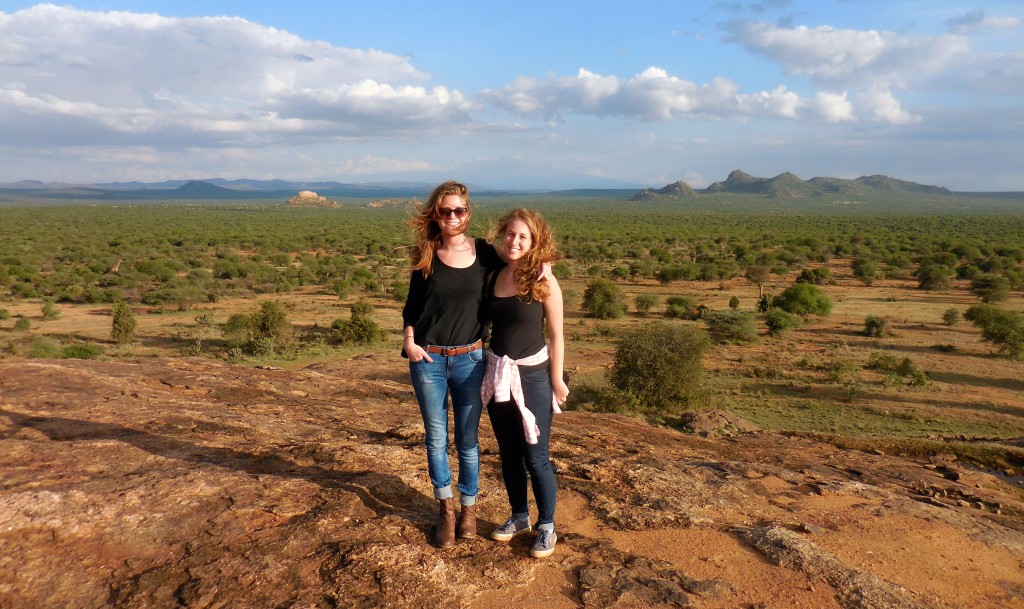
(179, 262)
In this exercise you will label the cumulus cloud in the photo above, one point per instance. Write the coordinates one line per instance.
(652, 95)
(883, 107)
(143, 78)
(841, 58)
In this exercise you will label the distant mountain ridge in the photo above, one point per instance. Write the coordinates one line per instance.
(788, 185)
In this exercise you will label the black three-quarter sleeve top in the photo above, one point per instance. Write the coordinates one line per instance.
(444, 309)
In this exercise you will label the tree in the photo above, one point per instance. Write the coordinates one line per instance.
(990, 288)
(644, 303)
(933, 277)
(758, 275)
(1003, 328)
(360, 328)
(804, 299)
(732, 326)
(122, 330)
(865, 269)
(603, 299)
(661, 366)
(734, 302)
(778, 321)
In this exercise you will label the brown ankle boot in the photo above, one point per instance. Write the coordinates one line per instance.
(466, 528)
(444, 535)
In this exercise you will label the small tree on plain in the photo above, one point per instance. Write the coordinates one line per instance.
(660, 366)
(603, 299)
(122, 330)
(758, 275)
(990, 288)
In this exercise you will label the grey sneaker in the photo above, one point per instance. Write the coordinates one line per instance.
(510, 529)
(544, 545)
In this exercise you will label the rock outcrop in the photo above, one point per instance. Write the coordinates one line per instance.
(308, 198)
(196, 483)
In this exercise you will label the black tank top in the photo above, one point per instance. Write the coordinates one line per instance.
(517, 327)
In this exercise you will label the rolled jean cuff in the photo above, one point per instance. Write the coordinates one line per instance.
(443, 492)
(546, 526)
(467, 499)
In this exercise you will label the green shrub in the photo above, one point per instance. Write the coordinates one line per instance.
(933, 277)
(399, 291)
(681, 307)
(818, 276)
(765, 302)
(951, 317)
(4, 314)
(875, 326)
(865, 269)
(83, 351)
(44, 348)
(734, 302)
(732, 326)
(990, 288)
(603, 299)
(361, 328)
(644, 303)
(122, 330)
(50, 311)
(804, 299)
(22, 325)
(778, 321)
(1003, 328)
(661, 366)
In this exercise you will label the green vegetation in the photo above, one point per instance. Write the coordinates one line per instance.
(804, 299)
(875, 326)
(360, 329)
(123, 323)
(660, 368)
(603, 299)
(732, 326)
(1004, 329)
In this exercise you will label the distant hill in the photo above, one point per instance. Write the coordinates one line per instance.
(675, 190)
(788, 186)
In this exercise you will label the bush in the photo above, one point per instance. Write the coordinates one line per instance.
(875, 326)
(361, 328)
(765, 302)
(122, 329)
(644, 303)
(83, 351)
(933, 277)
(603, 300)
(22, 325)
(4, 314)
(732, 326)
(990, 288)
(819, 276)
(44, 347)
(778, 321)
(902, 371)
(865, 269)
(804, 299)
(951, 317)
(734, 302)
(50, 311)
(661, 366)
(681, 307)
(1003, 328)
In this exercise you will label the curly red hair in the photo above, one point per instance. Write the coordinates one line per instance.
(530, 286)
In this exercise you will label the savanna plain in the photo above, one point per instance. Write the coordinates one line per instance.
(843, 425)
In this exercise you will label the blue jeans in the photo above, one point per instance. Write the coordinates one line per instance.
(460, 376)
(521, 462)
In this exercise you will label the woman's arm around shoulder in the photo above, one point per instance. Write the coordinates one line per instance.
(554, 313)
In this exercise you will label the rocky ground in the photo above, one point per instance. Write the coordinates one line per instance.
(193, 483)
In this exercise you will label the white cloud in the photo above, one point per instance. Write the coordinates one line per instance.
(883, 107)
(652, 95)
(843, 58)
(976, 20)
(145, 78)
(832, 107)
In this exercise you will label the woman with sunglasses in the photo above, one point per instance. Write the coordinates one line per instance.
(444, 343)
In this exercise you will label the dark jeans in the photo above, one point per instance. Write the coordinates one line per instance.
(519, 459)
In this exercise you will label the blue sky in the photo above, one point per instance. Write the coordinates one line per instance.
(513, 95)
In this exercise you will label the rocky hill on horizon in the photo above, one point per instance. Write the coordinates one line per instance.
(789, 186)
(191, 482)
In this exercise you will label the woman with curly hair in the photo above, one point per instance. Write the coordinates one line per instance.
(524, 385)
(444, 343)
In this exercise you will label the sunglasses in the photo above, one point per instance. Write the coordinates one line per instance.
(448, 212)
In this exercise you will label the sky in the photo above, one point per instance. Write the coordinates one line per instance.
(525, 94)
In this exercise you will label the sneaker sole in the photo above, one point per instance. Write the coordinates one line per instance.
(542, 553)
(496, 536)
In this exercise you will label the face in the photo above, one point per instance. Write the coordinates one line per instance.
(518, 240)
(452, 215)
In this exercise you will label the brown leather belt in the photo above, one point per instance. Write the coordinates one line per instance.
(449, 351)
